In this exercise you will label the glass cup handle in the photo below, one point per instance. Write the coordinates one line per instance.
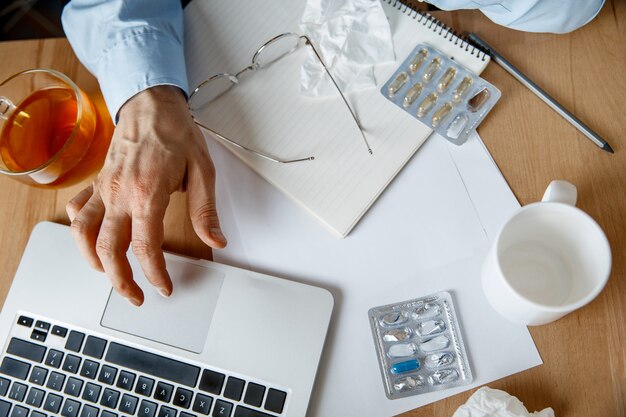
(560, 191)
(6, 108)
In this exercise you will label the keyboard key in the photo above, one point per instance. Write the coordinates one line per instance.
(38, 376)
(59, 331)
(35, 397)
(247, 412)
(38, 335)
(71, 363)
(92, 392)
(18, 391)
(5, 406)
(183, 414)
(89, 369)
(147, 409)
(73, 387)
(275, 400)
(19, 411)
(37, 414)
(234, 388)
(14, 368)
(106, 413)
(144, 386)
(53, 403)
(163, 392)
(155, 365)
(55, 381)
(183, 398)
(26, 350)
(107, 374)
(89, 411)
(126, 380)
(25, 321)
(128, 404)
(54, 358)
(42, 325)
(4, 386)
(167, 411)
(94, 347)
(109, 398)
(70, 408)
(211, 381)
(254, 394)
(222, 409)
(202, 404)
(74, 341)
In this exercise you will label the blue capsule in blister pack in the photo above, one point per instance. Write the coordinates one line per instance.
(419, 346)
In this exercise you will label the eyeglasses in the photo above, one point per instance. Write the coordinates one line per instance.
(271, 51)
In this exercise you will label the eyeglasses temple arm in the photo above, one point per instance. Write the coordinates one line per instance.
(261, 154)
(356, 120)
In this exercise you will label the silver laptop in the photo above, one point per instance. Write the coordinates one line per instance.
(228, 342)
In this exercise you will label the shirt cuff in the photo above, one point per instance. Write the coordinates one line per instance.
(145, 59)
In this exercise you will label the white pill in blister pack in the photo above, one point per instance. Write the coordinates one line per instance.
(402, 350)
(430, 327)
(436, 343)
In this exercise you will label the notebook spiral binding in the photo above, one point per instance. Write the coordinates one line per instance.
(437, 26)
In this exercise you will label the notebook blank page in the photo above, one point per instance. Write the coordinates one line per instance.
(265, 111)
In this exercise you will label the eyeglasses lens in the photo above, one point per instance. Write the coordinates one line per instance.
(211, 90)
(275, 49)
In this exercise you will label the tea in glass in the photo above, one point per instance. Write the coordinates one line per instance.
(52, 135)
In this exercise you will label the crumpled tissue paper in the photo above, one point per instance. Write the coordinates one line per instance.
(488, 402)
(352, 36)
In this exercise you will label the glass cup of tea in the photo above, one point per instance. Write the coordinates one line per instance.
(51, 133)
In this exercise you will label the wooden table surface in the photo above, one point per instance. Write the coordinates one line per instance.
(584, 354)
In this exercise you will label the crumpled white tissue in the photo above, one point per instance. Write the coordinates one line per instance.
(488, 402)
(352, 36)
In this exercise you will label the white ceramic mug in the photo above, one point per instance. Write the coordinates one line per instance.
(548, 260)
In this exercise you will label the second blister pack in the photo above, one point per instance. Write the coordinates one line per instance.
(419, 346)
(441, 93)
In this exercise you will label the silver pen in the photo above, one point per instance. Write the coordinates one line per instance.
(555, 105)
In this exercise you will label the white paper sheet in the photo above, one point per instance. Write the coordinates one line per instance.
(428, 232)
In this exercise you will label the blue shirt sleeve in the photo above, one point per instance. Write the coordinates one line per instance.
(129, 45)
(557, 16)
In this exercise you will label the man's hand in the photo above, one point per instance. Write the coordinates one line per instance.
(156, 149)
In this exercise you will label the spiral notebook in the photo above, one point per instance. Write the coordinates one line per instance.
(266, 111)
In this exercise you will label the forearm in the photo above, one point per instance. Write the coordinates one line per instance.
(128, 45)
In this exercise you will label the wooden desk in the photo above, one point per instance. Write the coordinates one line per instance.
(584, 371)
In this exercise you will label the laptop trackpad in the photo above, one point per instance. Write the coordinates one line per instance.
(182, 320)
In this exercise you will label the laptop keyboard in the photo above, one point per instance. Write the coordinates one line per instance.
(51, 370)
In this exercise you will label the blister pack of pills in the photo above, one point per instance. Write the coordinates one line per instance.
(419, 346)
(441, 93)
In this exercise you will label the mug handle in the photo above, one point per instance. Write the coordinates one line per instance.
(560, 191)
